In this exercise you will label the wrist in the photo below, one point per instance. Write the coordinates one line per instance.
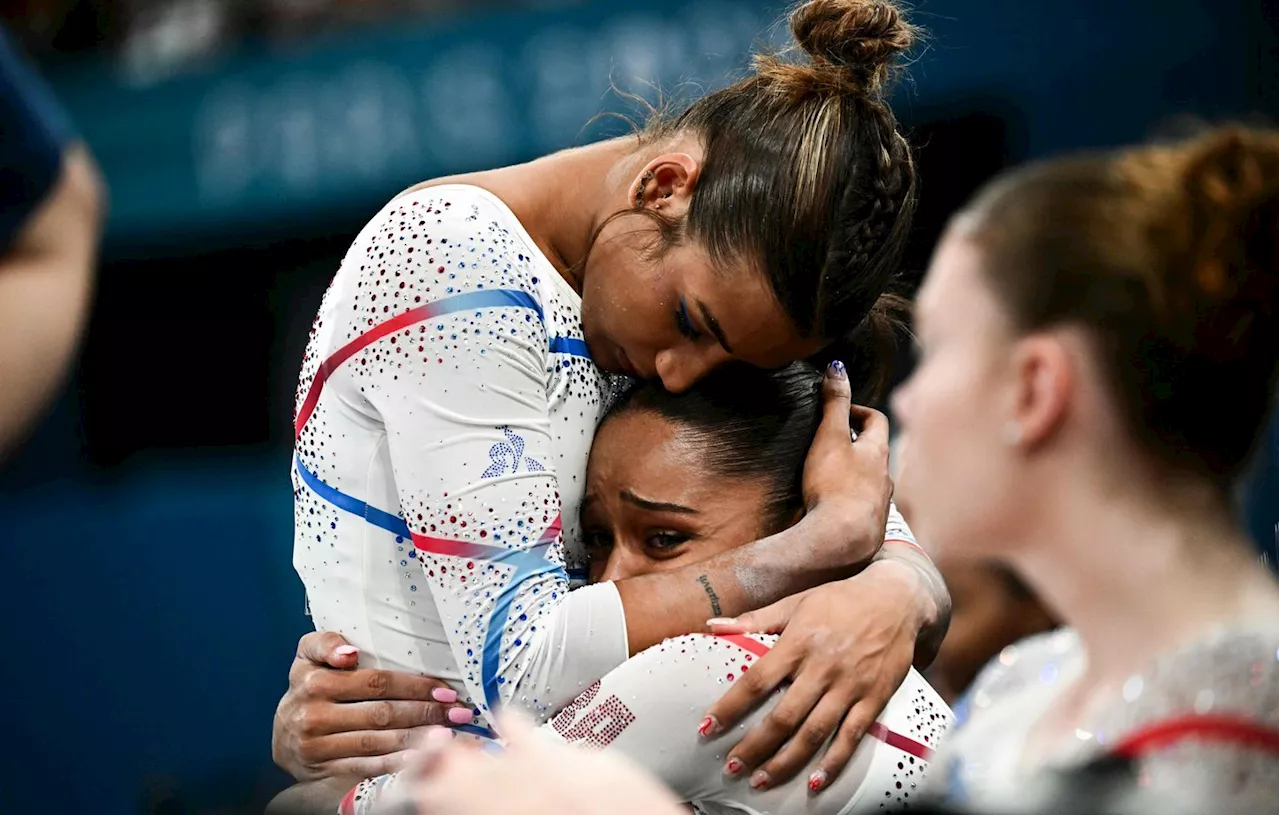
(910, 585)
(849, 533)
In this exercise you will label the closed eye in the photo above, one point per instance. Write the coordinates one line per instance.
(666, 540)
(684, 324)
(596, 540)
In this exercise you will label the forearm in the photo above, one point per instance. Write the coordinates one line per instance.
(819, 549)
(932, 607)
(45, 284)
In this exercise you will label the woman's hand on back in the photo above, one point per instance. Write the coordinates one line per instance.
(846, 646)
(845, 649)
(847, 482)
(340, 720)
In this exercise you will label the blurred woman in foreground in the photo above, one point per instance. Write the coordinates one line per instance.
(1103, 329)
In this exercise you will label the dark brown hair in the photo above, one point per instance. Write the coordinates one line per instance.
(748, 424)
(1168, 255)
(807, 178)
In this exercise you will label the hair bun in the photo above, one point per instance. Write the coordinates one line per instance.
(1229, 185)
(858, 41)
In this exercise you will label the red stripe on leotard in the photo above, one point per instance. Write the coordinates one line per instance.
(1221, 729)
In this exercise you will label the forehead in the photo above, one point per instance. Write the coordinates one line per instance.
(953, 290)
(642, 452)
(740, 298)
(635, 447)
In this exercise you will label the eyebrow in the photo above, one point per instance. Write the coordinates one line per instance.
(714, 325)
(656, 506)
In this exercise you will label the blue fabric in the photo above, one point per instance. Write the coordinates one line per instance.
(1259, 495)
(34, 131)
(569, 345)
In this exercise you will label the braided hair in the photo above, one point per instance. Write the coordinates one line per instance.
(808, 178)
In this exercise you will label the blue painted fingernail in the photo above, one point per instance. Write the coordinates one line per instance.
(836, 370)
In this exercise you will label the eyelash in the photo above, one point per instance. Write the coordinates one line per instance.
(597, 540)
(670, 540)
(684, 324)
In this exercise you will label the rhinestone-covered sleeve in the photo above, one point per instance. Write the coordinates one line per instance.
(450, 348)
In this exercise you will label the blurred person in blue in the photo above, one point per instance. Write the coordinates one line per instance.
(50, 225)
(480, 325)
(1104, 328)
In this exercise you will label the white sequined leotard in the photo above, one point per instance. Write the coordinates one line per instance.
(445, 411)
(650, 708)
(1221, 692)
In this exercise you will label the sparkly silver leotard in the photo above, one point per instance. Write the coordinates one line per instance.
(1231, 675)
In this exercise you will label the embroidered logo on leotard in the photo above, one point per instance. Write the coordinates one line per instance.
(506, 457)
(565, 718)
(601, 724)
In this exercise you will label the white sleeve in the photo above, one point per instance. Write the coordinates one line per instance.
(650, 708)
(896, 529)
(459, 378)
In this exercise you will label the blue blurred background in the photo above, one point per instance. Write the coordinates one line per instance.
(147, 527)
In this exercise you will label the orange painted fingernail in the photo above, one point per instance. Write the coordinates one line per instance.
(732, 767)
(759, 780)
(445, 695)
(708, 726)
(817, 781)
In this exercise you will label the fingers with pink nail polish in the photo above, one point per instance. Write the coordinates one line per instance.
(732, 767)
(460, 715)
(446, 696)
(759, 780)
(343, 657)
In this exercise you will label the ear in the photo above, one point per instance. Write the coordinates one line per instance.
(666, 183)
(1044, 377)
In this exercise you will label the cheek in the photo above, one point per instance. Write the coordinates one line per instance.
(947, 412)
(624, 299)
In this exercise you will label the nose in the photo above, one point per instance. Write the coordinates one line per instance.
(679, 368)
(623, 562)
